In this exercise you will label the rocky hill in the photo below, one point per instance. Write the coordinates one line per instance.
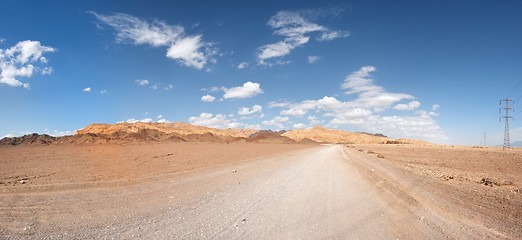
(325, 135)
(184, 132)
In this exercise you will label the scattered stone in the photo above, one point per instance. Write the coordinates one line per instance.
(244, 220)
(169, 154)
(234, 171)
(380, 156)
(487, 182)
(22, 181)
(371, 170)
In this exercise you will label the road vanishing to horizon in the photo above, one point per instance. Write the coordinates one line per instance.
(322, 192)
(332, 119)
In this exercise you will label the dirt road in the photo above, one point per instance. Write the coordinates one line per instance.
(327, 192)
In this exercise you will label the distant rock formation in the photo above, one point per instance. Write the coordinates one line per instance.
(184, 132)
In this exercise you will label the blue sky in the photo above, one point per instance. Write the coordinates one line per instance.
(432, 70)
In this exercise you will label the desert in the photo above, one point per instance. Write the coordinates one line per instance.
(260, 119)
(150, 186)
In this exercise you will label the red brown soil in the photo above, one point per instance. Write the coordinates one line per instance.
(64, 166)
(486, 180)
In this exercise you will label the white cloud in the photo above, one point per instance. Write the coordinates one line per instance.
(299, 125)
(208, 98)
(435, 107)
(248, 90)
(9, 135)
(133, 120)
(142, 82)
(155, 86)
(410, 106)
(159, 116)
(256, 109)
(18, 61)
(213, 89)
(168, 87)
(313, 59)
(325, 104)
(57, 133)
(46, 70)
(163, 120)
(186, 51)
(331, 35)
(217, 121)
(189, 51)
(296, 30)
(364, 110)
(369, 94)
(87, 89)
(242, 65)
(277, 122)
(104, 92)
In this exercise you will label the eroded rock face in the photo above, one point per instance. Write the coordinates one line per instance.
(325, 135)
(33, 138)
(184, 132)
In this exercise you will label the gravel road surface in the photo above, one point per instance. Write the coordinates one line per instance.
(326, 192)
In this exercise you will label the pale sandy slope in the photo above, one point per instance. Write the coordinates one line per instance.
(326, 192)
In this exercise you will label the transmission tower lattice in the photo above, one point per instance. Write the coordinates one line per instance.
(506, 118)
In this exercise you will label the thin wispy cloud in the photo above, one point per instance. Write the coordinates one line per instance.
(296, 30)
(187, 50)
(313, 59)
(142, 82)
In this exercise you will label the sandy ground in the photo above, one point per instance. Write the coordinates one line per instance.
(57, 167)
(485, 181)
(257, 191)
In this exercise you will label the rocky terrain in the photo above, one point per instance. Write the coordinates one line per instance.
(184, 132)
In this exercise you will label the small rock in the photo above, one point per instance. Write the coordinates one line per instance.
(234, 171)
(244, 220)
(371, 170)
(22, 181)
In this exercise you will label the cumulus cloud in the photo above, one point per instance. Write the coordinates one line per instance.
(214, 121)
(299, 125)
(278, 122)
(190, 51)
(208, 98)
(313, 59)
(87, 89)
(248, 90)
(104, 92)
(242, 65)
(142, 82)
(249, 111)
(19, 61)
(296, 30)
(410, 106)
(133, 120)
(364, 110)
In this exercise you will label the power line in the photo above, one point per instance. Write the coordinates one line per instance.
(512, 90)
(506, 118)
